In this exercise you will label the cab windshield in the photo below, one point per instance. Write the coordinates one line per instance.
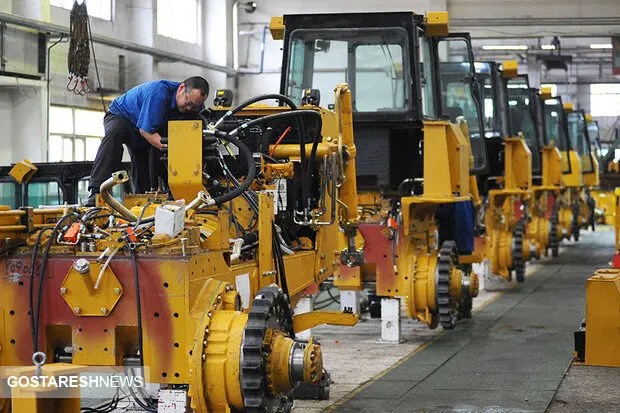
(577, 134)
(459, 93)
(373, 61)
(491, 118)
(556, 133)
(595, 140)
(522, 116)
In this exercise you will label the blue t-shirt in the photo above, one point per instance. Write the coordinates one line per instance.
(149, 106)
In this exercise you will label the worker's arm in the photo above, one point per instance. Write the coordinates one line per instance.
(152, 138)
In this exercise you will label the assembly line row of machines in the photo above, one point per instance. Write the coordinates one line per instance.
(424, 165)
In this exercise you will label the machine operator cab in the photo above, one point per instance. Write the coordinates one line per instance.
(523, 117)
(389, 61)
(596, 151)
(555, 129)
(507, 113)
(580, 143)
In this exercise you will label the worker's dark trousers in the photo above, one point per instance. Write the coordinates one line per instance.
(119, 131)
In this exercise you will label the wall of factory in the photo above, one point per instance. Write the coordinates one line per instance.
(25, 103)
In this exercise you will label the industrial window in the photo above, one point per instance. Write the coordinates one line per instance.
(75, 134)
(179, 19)
(605, 99)
(101, 9)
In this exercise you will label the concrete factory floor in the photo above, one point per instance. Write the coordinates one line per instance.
(512, 356)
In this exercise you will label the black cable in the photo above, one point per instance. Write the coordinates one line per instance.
(281, 272)
(242, 105)
(275, 116)
(42, 275)
(138, 221)
(141, 403)
(147, 228)
(251, 174)
(105, 408)
(145, 398)
(90, 218)
(92, 46)
(90, 212)
(11, 247)
(304, 163)
(134, 261)
(31, 291)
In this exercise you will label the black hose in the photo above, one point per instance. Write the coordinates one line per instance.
(281, 271)
(42, 275)
(139, 220)
(90, 213)
(249, 178)
(134, 261)
(31, 292)
(275, 116)
(304, 163)
(242, 105)
(11, 247)
(90, 218)
(141, 403)
(108, 407)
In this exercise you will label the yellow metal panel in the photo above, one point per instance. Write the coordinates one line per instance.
(78, 290)
(185, 159)
(552, 166)
(589, 118)
(437, 23)
(518, 164)
(445, 150)
(592, 179)
(510, 68)
(266, 273)
(575, 178)
(603, 318)
(276, 27)
(348, 190)
(23, 171)
(568, 107)
(545, 93)
(305, 321)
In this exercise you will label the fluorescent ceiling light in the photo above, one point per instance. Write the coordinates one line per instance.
(601, 46)
(505, 47)
(547, 47)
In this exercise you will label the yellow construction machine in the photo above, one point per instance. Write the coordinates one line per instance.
(416, 224)
(556, 126)
(603, 197)
(197, 285)
(526, 117)
(507, 183)
(584, 174)
(552, 126)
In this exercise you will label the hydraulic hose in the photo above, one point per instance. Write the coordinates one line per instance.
(249, 178)
(281, 115)
(255, 99)
(37, 312)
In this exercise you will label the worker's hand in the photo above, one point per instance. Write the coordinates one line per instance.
(153, 138)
